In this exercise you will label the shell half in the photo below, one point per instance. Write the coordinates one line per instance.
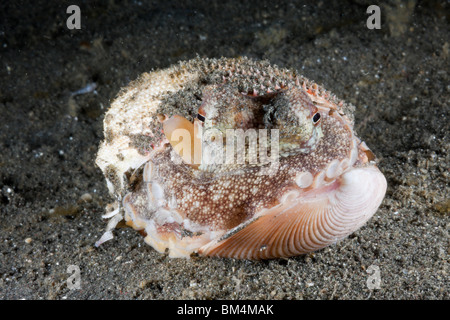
(306, 222)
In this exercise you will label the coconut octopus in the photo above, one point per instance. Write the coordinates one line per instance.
(217, 195)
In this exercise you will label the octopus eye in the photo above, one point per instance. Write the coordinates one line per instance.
(316, 118)
(200, 117)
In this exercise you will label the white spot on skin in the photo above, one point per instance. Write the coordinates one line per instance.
(254, 190)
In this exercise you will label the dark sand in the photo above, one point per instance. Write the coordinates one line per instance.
(398, 77)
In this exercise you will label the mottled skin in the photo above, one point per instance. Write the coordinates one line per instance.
(182, 207)
(227, 198)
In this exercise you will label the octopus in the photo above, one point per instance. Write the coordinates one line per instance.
(187, 157)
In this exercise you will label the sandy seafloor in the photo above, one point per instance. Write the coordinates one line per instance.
(397, 77)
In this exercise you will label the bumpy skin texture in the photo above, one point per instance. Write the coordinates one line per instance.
(324, 186)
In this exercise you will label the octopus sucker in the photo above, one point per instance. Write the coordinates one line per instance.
(186, 157)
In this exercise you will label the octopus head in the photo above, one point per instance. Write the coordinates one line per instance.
(298, 120)
(289, 111)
